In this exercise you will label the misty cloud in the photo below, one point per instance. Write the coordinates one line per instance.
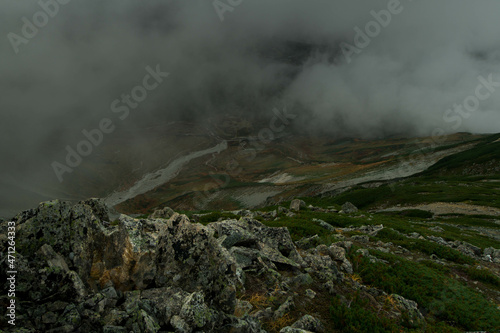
(264, 53)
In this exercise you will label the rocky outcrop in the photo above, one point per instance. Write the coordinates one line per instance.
(83, 272)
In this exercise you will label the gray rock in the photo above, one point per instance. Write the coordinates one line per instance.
(310, 293)
(324, 225)
(308, 242)
(180, 325)
(284, 308)
(282, 210)
(110, 293)
(244, 307)
(196, 313)
(114, 329)
(411, 308)
(436, 229)
(338, 254)
(164, 213)
(322, 267)
(189, 257)
(346, 245)
(289, 329)
(349, 208)
(297, 204)
(309, 323)
(361, 238)
(302, 279)
(274, 244)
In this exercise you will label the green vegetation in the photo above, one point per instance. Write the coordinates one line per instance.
(358, 317)
(484, 152)
(441, 296)
(418, 213)
(115, 222)
(482, 275)
(424, 246)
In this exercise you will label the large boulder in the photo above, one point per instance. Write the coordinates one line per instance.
(273, 244)
(74, 254)
(297, 204)
(189, 257)
(349, 208)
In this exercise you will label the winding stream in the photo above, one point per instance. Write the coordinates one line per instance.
(160, 177)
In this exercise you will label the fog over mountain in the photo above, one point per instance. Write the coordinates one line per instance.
(64, 78)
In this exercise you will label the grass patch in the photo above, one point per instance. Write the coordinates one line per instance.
(358, 317)
(418, 213)
(437, 294)
(482, 275)
(424, 246)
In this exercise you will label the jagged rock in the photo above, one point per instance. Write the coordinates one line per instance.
(232, 233)
(466, 248)
(273, 244)
(492, 254)
(101, 253)
(361, 238)
(436, 229)
(373, 259)
(196, 313)
(164, 213)
(284, 308)
(245, 257)
(297, 204)
(338, 254)
(189, 257)
(180, 325)
(310, 293)
(411, 308)
(243, 307)
(282, 210)
(263, 314)
(349, 208)
(371, 230)
(247, 324)
(308, 242)
(309, 323)
(56, 261)
(324, 225)
(322, 266)
(438, 240)
(302, 279)
(346, 245)
(164, 303)
(289, 329)
(114, 329)
(115, 317)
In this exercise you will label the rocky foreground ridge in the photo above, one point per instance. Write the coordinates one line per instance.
(81, 271)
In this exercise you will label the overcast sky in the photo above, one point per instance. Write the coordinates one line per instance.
(62, 79)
